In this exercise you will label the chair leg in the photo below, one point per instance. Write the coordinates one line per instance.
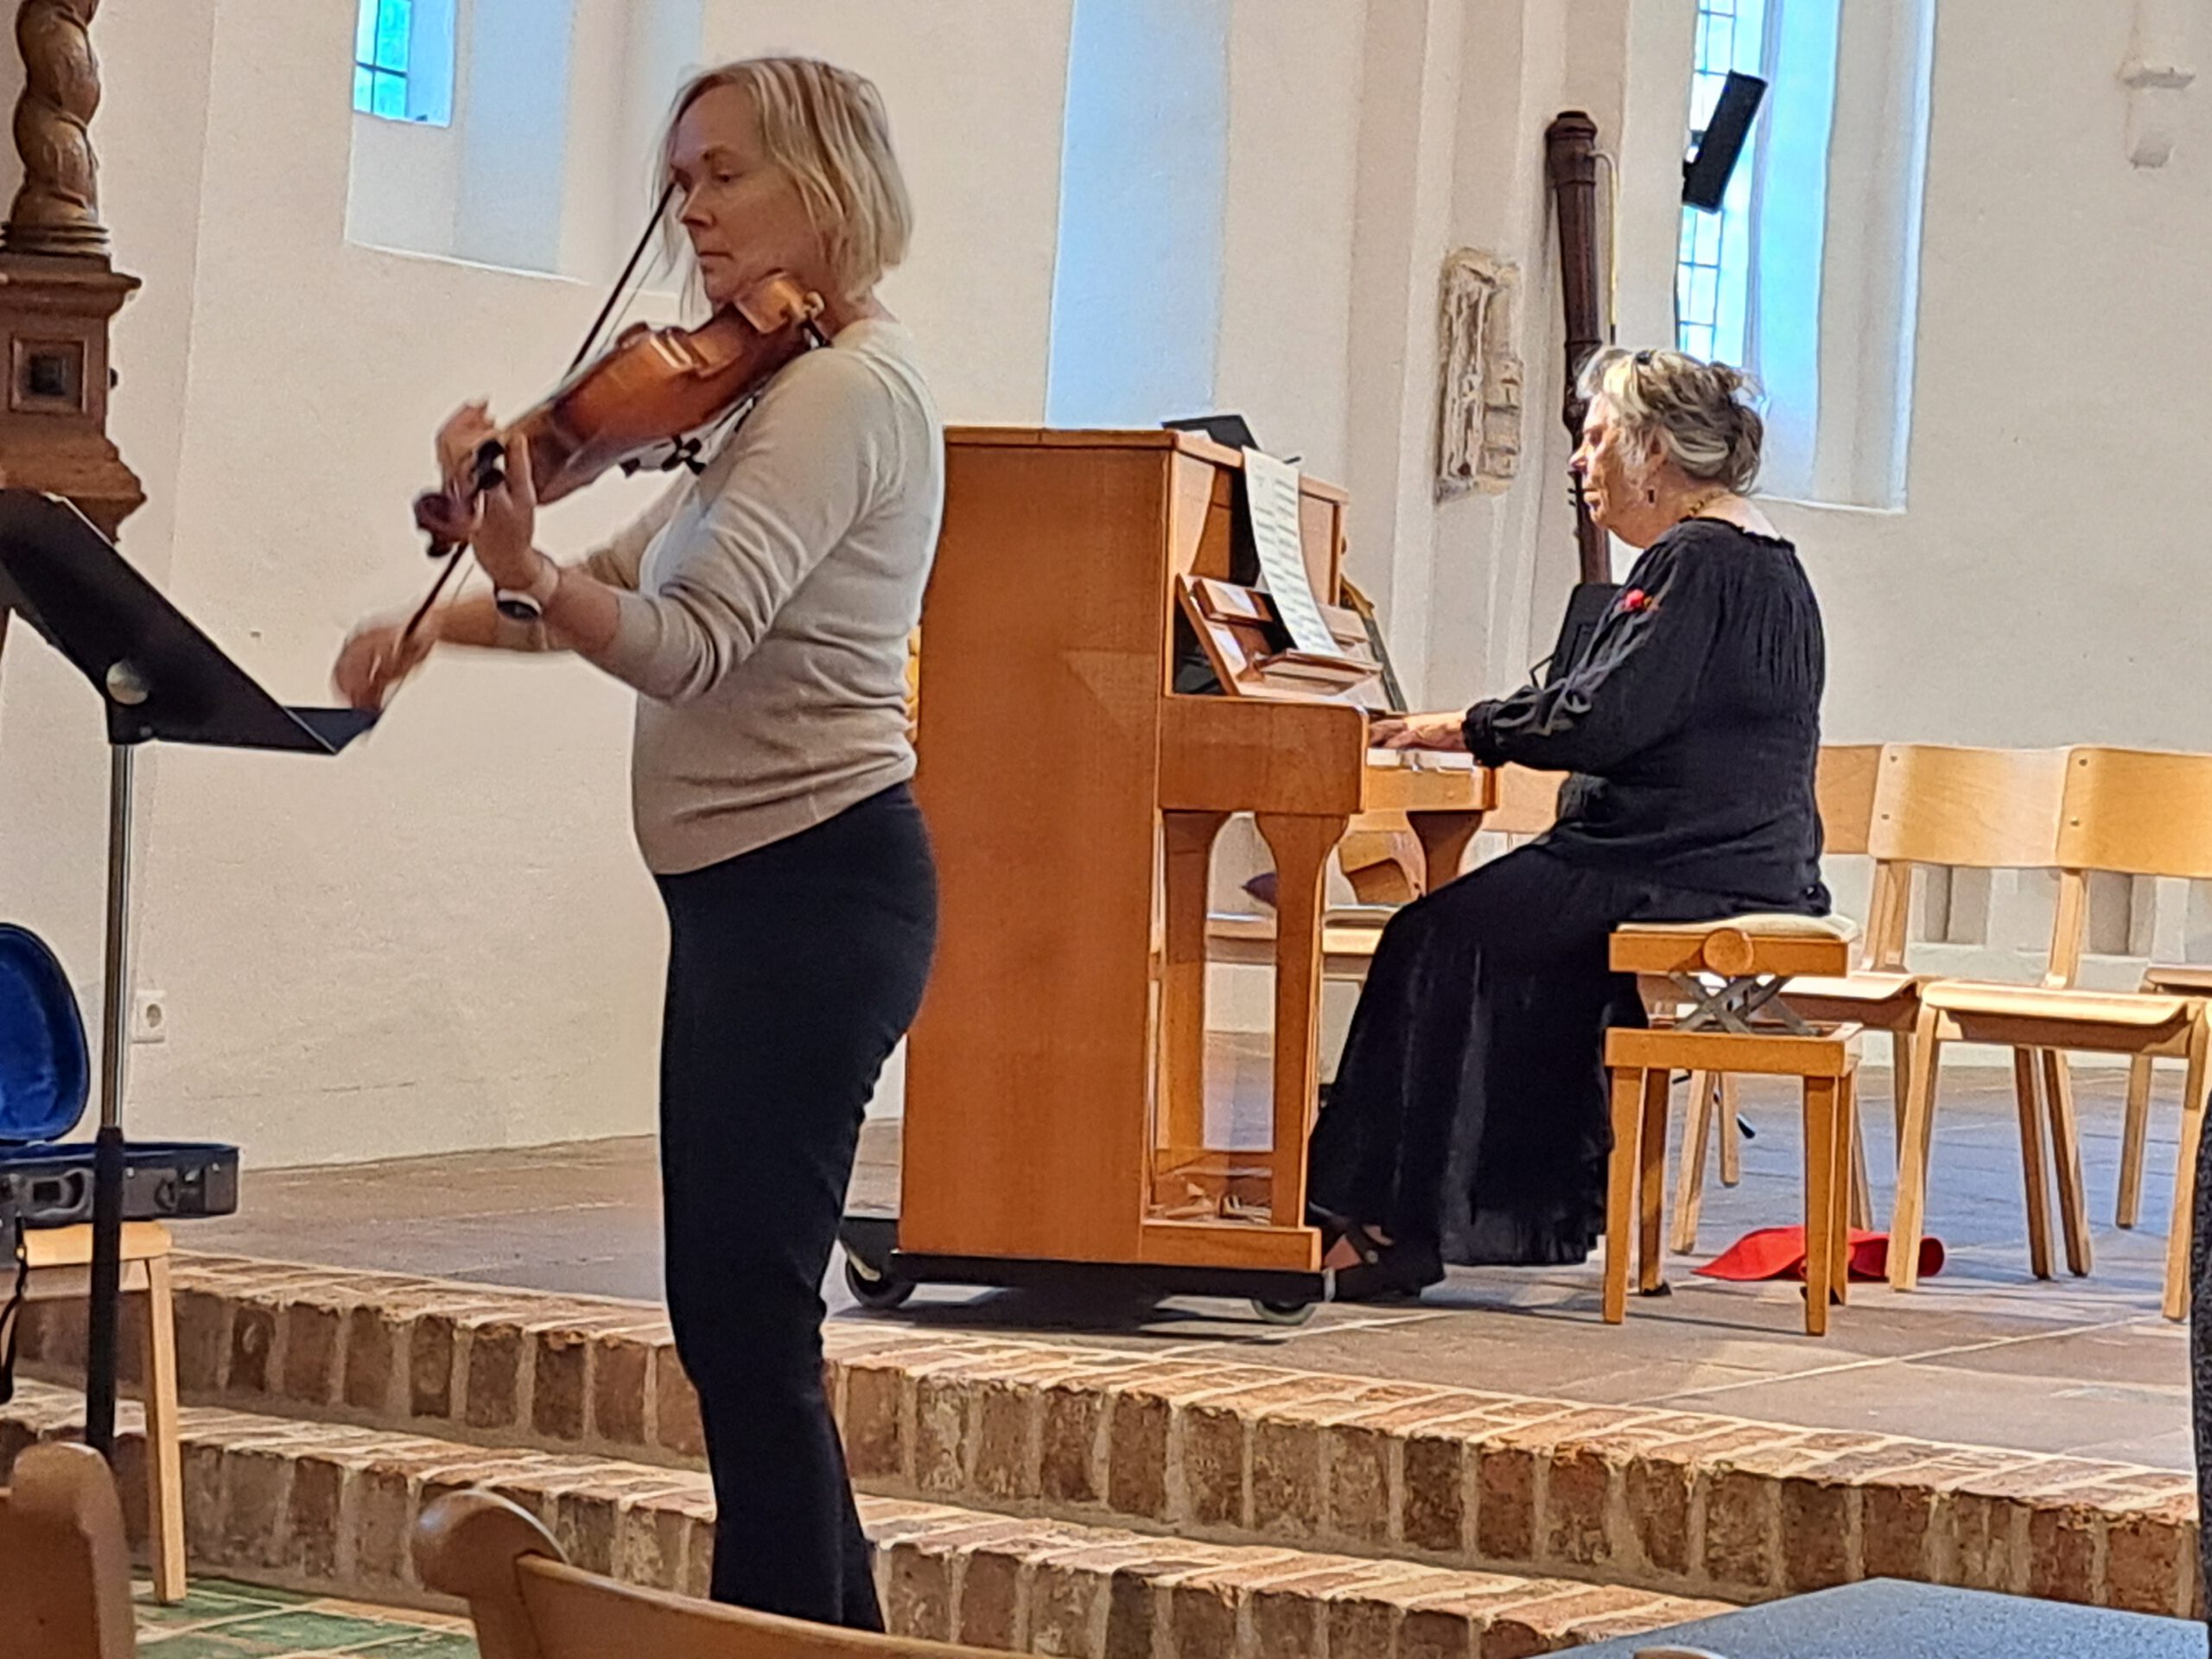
(1862, 1189)
(2132, 1137)
(164, 1458)
(2026, 1091)
(1620, 1188)
(1900, 1075)
(1651, 1182)
(1697, 1124)
(1820, 1202)
(2066, 1160)
(1913, 1143)
(1731, 1138)
(1850, 1163)
(2178, 1230)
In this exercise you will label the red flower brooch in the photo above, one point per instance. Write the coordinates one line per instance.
(1636, 600)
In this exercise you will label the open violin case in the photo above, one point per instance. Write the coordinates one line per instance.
(45, 1081)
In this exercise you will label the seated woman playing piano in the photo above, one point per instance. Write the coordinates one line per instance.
(1467, 1123)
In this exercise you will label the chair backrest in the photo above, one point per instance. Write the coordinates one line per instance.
(527, 1603)
(65, 1567)
(1968, 809)
(1962, 808)
(1843, 787)
(2138, 811)
(2131, 812)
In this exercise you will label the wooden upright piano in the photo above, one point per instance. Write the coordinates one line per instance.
(1054, 1098)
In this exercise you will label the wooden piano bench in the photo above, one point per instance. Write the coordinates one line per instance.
(1722, 1007)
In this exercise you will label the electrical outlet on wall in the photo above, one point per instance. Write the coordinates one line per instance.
(149, 1017)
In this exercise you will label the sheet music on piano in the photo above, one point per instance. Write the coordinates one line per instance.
(1271, 494)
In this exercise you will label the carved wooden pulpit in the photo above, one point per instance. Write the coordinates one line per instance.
(57, 289)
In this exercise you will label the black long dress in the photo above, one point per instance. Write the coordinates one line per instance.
(1467, 1120)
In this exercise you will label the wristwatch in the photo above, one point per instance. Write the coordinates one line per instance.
(528, 604)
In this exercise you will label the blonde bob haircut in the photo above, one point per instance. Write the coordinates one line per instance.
(825, 127)
(1701, 413)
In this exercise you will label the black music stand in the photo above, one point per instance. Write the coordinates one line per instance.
(162, 681)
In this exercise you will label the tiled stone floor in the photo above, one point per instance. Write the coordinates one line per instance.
(1982, 1354)
(221, 1620)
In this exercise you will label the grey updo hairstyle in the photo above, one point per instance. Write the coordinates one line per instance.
(1700, 412)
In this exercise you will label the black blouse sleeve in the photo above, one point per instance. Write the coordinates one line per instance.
(1635, 685)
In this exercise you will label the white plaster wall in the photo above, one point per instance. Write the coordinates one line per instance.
(1289, 326)
(2038, 586)
(443, 939)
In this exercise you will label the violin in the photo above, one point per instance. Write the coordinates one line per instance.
(643, 401)
(640, 403)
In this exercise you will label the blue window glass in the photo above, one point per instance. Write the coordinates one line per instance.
(1713, 268)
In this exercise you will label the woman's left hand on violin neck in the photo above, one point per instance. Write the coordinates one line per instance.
(504, 539)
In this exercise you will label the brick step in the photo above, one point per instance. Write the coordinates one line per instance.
(330, 1508)
(1672, 1501)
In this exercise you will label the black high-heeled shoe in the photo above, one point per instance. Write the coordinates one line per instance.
(1385, 1273)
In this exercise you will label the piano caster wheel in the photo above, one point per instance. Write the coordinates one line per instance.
(874, 1289)
(1283, 1313)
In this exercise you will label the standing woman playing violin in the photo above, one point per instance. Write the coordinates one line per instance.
(761, 611)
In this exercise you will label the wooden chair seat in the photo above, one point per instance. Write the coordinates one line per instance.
(2128, 1009)
(1864, 988)
(2175, 977)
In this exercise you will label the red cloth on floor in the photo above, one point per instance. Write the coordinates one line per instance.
(1779, 1253)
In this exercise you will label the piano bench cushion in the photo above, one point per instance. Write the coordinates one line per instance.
(1762, 925)
(1736, 946)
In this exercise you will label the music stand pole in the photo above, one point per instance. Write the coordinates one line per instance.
(101, 1345)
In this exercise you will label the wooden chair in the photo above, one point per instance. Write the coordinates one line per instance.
(528, 1603)
(65, 1567)
(1845, 788)
(2131, 812)
(60, 1262)
(1742, 1023)
(2172, 978)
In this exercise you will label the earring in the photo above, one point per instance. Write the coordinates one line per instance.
(1650, 496)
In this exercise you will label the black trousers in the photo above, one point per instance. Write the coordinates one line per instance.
(1468, 1118)
(792, 973)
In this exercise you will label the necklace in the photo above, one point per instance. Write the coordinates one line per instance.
(1698, 504)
